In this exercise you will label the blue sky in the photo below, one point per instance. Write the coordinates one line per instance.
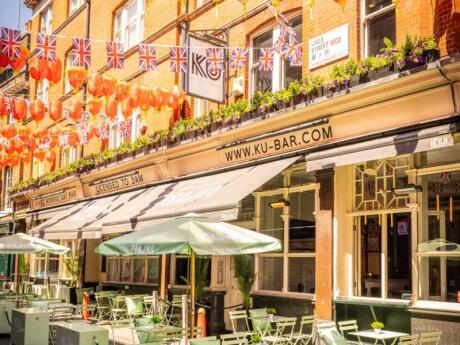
(9, 13)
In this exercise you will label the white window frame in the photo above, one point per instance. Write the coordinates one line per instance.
(365, 24)
(43, 90)
(121, 24)
(200, 3)
(136, 125)
(74, 5)
(8, 181)
(46, 20)
(38, 168)
(68, 156)
(200, 107)
(285, 255)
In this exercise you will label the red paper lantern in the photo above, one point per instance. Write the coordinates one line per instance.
(20, 109)
(172, 102)
(108, 85)
(135, 95)
(3, 111)
(94, 84)
(111, 108)
(23, 133)
(50, 156)
(38, 69)
(73, 139)
(10, 148)
(122, 90)
(9, 131)
(4, 61)
(75, 109)
(37, 110)
(20, 62)
(26, 157)
(53, 71)
(55, 110)
(127, 108)
(14, 159)
(40, 155)
(40, 133)
(77, 77)
(94, 106)
(92, 133)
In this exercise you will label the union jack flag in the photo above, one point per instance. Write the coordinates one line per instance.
(239, 58)
(178, 57)
(296, 59)
(289, 49)
(11, 42)
(125, 128)
(46, 47)
(215, 59)
(147, 57)
(266, 56)
(115, 54)
(63, 139)
(81, 51)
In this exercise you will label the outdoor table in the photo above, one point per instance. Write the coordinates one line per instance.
(149, 329)
(268, 319)
(381, 337)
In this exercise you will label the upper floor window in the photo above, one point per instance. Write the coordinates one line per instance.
(69, 155)
(8, 182)
(46, 18)
(201, 2)
(200, 106)
(42, 90)
(136, 125)
(283, 73)
(129, 23)
(74, 5)
(379, 21)
(38, 168)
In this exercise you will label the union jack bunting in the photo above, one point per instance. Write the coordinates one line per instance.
(125, 128)
(81, 52)
(266, 56)
(289, 49)
(215, 59)
(239, 58)
(46, 47)
(115, 54)
(82, 135)
(147, 57)
(296, 59)
(11, 42)
(178, 57)
(63, 139)
(103, 131)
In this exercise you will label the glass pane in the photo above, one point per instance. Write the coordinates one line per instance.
(181, 275)
(380, 27)
(139, 270)
(271, 222)
(399, 255)
(292, 73)
(112, 274)
(302, 275)
(53, 266)
(270, 273)
(125, 269)
(153, 270)
(262, 79)
(302, 222)
(376, 5)
(371, 278)
(453, 279)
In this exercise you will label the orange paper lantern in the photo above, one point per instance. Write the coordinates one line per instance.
(38, 69)
(122, 90)
(55, 110)
(20, 62)
(77, 77)
(40, 155)
(73, 139)
(94, 106)
(108, 85)
(111, 108)
(23, 133)
(3, 111)
(9, 131)
(54, 71)
(26, 157)
(127, 108)
(75, 109)
(50, 156)
(94, 84)
(37, 110)
(20, 109)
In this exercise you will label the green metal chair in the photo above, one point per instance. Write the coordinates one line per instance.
(283, 334)
(303, 336)
(102, 305)
(134, 306)
(205, 341)
(240, 316)
(118, 309)
(234, 339)
(408, 340)
(329, 334)
(349, 326)
(433, 338)
(260, 322)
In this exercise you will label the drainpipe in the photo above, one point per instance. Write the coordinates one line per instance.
(443, 73)
(184, 40)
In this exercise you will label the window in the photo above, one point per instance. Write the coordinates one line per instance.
(438, 249)
(46, 18)
(136, 125)
(202, 267)
(292, 270)
(129, 23)
(379, 22)
(42, 90)
(46, 264)
(8, 182)
(136, 270)
(38, 168)
(115, 137)
(69, 155)
(69, 59)
(283, 73)
(74, 5)
(200, 106)
(201, 2)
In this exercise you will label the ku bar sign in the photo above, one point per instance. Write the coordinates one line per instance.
(278, 144)
(328, 47)
(201, 81)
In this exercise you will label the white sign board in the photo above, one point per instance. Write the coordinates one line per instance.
(328, 47)
(201, 82)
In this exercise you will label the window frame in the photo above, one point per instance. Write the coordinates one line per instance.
(365, 18)
(119, 270)
(75, 8)
(68, 156)
(120, 19)
(8, 182)
(285, 255)
(38, 167)
(46, 20)
(42, 91)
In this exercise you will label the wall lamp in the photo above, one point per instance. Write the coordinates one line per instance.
(280, 203)
(407, 189)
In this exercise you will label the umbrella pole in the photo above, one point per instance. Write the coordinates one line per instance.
(192, 288)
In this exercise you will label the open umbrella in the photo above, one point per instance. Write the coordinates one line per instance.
(190, 234)
(24, 244)
(439, 247)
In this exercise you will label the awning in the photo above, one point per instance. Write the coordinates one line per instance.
(46, 214)
(391, 146)
(215, 196)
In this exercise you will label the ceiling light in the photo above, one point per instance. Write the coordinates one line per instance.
(280, 203)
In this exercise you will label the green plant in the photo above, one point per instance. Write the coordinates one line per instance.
(271, 311)
(157, 319)
(245, 277)
(377, 325)
(256, 338)
(429, 43)
(201, 276)
(73, 267)
(283, 95)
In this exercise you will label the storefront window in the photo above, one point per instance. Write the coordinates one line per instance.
(438, 247)
(125, 270)
(379, 23)
(139, 270)
(202, 268)
(153, 274)
(271, 222)
(272, 277)
(302, 275)
(113, 274)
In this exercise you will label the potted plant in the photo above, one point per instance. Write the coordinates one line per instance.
(157, 319)
(271, 312)
(377, 326)
(430, 49)
(245, 277)
(256, 338)
(73, 267)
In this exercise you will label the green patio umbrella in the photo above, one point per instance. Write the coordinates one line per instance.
(190, 234)
(24, 244)
(439, 247)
